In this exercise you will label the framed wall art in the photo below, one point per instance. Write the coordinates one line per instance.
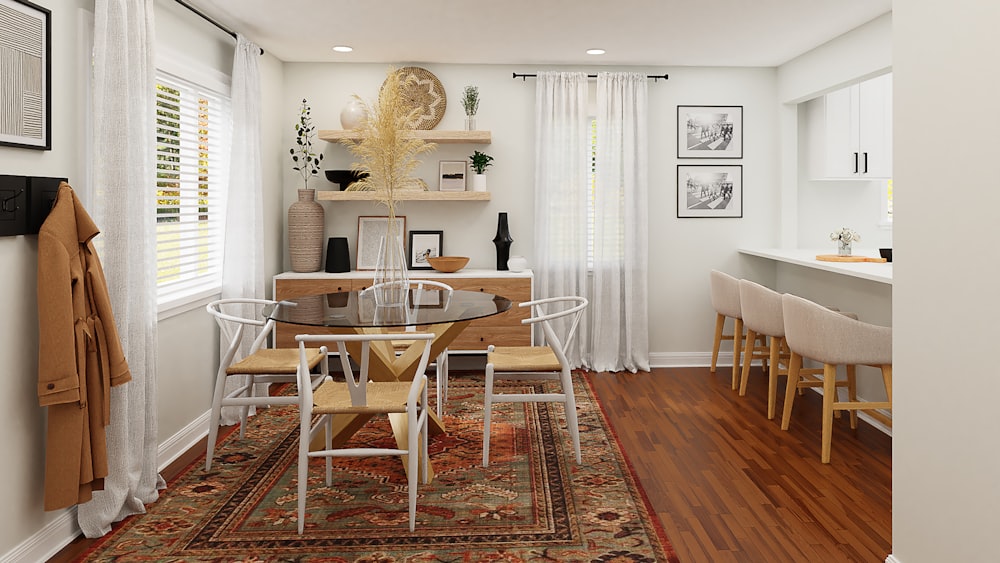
(370, 233)
(709, 131)
(25, 76)
(452, 175)
(424, 245)
(705, 190)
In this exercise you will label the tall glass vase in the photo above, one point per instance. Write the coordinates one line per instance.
(391, 282)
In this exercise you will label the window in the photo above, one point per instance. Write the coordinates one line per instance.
(192, 168)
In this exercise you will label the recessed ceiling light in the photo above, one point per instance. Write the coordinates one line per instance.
(595, 51)
(342, 48)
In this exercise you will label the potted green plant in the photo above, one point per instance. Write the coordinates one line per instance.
(306, 162)
(470, 101)
(480, 161)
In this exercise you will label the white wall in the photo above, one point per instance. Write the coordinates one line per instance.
(20, 416)
(188, 343)
(946, 459)
(681, 250)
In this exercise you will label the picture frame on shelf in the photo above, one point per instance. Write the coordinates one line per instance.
(706, 190)
(423, 245)
(371, 229)
(709, 131)
(451, 175)
(26, 102)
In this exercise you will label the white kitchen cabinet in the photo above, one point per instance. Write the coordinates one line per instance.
(850, 132)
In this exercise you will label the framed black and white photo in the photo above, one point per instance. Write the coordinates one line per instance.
(424, 245)
(371, 230)
(26, 76)
(709, 131)
(705, 190)
(452, 175)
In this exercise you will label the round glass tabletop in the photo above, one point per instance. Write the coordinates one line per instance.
(358, 309)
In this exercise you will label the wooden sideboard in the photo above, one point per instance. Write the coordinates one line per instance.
(502, 330)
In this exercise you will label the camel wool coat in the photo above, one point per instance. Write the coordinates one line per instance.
(79, 354)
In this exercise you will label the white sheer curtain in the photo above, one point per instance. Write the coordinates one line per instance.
(618, 299)
(123, 137)
(562, 145)
(243, 257)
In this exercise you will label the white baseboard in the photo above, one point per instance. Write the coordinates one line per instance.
(892, 559)
(58, 533)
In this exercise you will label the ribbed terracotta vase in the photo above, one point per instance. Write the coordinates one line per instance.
(305, 232)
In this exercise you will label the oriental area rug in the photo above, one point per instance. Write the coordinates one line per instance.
(533, 503)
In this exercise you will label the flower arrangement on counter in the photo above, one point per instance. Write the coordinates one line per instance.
(845, 236)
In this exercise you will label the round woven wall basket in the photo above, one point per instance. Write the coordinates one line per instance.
(423, 91)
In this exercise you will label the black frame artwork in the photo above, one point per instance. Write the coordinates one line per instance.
(709, 131)
(424, 244)
(26, 95)
(709, 190)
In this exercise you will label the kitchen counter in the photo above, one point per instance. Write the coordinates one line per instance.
(880, 272)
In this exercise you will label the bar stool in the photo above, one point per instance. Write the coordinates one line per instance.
(762, 316)
(725, 292)
(833, 338)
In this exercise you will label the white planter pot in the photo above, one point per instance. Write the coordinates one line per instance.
(479, 182)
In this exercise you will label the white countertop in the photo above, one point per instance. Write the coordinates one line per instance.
(875, 271)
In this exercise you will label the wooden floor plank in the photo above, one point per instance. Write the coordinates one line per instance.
(745, 490)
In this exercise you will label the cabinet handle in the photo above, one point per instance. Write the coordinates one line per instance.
(866, 163)
(855, 163)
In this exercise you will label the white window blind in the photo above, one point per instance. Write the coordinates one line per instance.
(192, 168)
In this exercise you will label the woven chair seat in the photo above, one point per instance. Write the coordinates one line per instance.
(523, 358)
(274, 360)
(383, 397)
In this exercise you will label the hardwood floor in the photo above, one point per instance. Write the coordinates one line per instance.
(728, 484)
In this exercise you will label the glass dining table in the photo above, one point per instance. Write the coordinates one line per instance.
(442, 312)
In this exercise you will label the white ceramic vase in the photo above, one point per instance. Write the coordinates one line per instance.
(352, 114)
(517, 263)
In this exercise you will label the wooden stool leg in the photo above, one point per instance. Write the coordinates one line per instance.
(852, 394)
(747, 357)
(887, 380)
(772, 377)
(720, 322)
(829, 393)
(737, 348)
(791, 385)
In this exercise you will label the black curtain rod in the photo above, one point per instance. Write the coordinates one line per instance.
(655, 77)
(201, 15)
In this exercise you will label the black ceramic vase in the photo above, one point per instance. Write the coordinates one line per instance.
(503, 242)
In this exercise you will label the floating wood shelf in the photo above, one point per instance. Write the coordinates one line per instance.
(431, 136)
(325, 195)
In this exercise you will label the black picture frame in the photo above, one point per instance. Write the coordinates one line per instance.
(424, 244)
(709, 131)
(26, 99)
(710, 191)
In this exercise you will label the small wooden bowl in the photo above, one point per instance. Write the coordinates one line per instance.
(448, 264)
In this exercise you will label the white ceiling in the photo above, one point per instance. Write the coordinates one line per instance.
(544, 32)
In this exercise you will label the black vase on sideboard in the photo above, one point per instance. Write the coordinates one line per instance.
(502, 242)
(338, 257)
